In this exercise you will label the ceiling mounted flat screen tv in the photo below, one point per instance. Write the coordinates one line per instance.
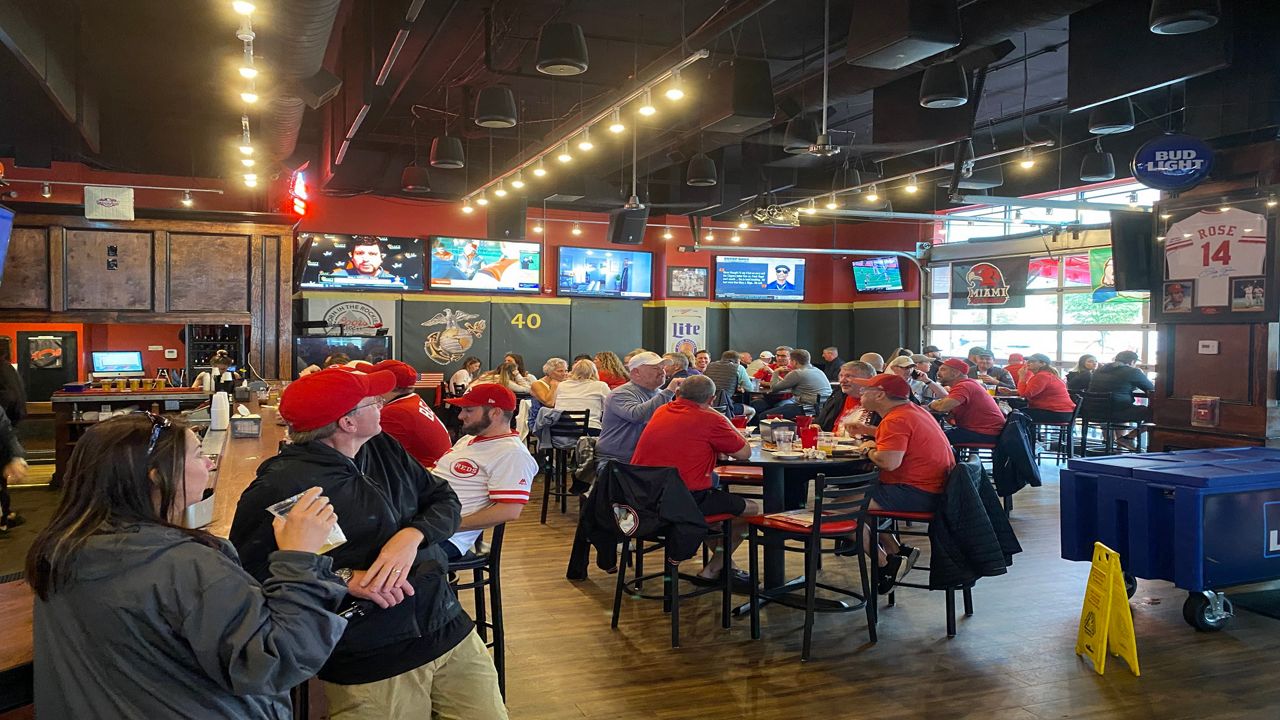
(361, 262)
(759, 278)
(591, 272)
(312, 350)
(485, 265)
(877, 274)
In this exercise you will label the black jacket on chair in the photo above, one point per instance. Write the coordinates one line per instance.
(971, 536)
(639, 502)
(1014, 460)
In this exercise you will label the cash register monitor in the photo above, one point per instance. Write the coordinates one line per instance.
(118, 364)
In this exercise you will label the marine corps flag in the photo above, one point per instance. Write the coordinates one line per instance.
(989, 284)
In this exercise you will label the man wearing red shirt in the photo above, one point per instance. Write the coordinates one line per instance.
(407, 417)
(1046, 393)
(976, 416)
(689, 435)
(914, 458)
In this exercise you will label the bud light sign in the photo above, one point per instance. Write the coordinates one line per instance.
(1173, 162)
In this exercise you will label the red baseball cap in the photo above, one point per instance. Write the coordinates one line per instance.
(957, 364)
(1016, 358)
(487, 395)
(322, 397)
(892, 384)
(406, 376)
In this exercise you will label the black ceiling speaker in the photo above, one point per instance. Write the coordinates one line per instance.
(319, 88)
(702, 171)
(944, 86)
(415, 180)
(562, 50)
(893, 35)
(738, 97)
(496, 107)
(447, 154)
(1182, 17)
(802, 131)
(626, 225)
(507, 219)
(973, 177)
(1112, 118)
(1097, 165)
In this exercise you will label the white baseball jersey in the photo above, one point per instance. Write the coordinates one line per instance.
(486, 470)
(1213, 246)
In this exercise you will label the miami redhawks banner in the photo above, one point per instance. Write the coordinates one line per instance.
(989, 284)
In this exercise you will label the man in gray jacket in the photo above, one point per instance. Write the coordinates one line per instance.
(807, 384)
(628, 408)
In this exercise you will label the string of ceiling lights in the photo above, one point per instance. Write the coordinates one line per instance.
(249, 93)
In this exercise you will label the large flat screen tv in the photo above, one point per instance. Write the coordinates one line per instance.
(313, 350)
(759, 278)
(6, 228)
(361, 262)
(592, 272)
(877, 274)
(486, 265)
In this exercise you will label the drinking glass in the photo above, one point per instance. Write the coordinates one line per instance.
(827, 442)
(782, 439)
(739, 421)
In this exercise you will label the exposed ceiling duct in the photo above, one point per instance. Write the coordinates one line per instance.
(301, 37)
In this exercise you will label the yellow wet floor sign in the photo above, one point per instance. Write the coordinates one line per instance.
(1106, 623)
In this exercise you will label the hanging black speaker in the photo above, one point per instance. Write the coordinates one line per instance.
(626, 225)
(508, 218)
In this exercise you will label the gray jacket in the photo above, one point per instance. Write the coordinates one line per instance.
(807, 384)
(154, 624)
(626, 411)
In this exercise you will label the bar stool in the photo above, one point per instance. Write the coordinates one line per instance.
(486, 573)
(571, 425)
(1060, 434)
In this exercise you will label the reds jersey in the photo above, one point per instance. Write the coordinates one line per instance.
(1213, 246)
(486, 470)
(410, 420)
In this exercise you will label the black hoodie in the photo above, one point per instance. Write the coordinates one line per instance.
(376, 494)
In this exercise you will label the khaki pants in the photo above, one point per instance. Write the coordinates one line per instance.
(459, 685)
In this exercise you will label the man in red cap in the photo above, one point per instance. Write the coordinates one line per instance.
(974, 411)
(409, 648)
(489, 468)
(914, 459)
(408, 418)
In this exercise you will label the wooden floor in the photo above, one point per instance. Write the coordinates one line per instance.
(1012, 659)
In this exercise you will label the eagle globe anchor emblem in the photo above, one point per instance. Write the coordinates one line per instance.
(457, 337)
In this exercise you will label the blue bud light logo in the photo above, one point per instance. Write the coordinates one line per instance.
(1172, 162)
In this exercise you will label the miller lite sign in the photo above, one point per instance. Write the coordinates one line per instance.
(989, 284)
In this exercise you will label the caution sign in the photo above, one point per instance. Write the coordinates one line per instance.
(1106, 624)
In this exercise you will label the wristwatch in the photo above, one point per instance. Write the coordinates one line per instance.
(344, 574)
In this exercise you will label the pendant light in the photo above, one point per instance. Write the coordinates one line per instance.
(415, 180)
(562, 50)
(1182, 17)
(944, 86)
(446, 151)
(822, 146)
(1112, 118)
(496, 107)
(1097, 166)
(702, 172)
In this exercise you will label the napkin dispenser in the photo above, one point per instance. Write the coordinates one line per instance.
(769, 426)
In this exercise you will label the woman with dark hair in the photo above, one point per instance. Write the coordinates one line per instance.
(1079, 377)
(468, 372)
(139, 614)
(221, 361)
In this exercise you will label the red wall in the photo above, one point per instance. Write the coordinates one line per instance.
(109, 337)
(830, 278)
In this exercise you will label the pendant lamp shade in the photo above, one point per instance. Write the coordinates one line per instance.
(944, 86)
(496, 107)
(1182, 17)
(562, 50)
(1097, 166)
(801, 132)
(702, 172)
(1112, 118)
(415, 180)
(447, 154)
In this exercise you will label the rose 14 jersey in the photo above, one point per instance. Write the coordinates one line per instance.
(1213, 246)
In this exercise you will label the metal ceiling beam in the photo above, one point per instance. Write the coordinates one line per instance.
(53, 68)
(1047, 204)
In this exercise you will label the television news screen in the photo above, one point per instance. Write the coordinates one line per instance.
(6, 229)
(361, 262)
(591, 272)
(877, 274)
(117, 363)
(489, 265)
(759, 278)
(314, 349)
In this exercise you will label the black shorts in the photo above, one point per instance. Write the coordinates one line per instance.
(904, 498)
(1131, 413)
(1048, 416)
(715, 501)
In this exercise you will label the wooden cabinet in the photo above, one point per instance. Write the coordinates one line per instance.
(108, 270)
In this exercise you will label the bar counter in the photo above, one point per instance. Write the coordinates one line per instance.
(237, 464)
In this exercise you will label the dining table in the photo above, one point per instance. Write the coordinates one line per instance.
(16, 645)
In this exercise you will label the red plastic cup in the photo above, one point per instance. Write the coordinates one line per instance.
(739, 421)
(802, 421)
(773, 416)
(809, 436)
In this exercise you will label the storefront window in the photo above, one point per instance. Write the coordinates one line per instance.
(1102, 343)
(1039, 310)
(1026, 342)
(1080, 309)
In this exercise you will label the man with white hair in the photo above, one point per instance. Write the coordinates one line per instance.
(628, 408)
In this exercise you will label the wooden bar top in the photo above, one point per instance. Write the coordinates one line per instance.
(238, 466)
(15, 642)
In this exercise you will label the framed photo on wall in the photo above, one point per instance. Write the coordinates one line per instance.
(1214, 256)
(686, 282)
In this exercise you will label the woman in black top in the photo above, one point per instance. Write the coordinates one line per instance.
(1078, 379)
